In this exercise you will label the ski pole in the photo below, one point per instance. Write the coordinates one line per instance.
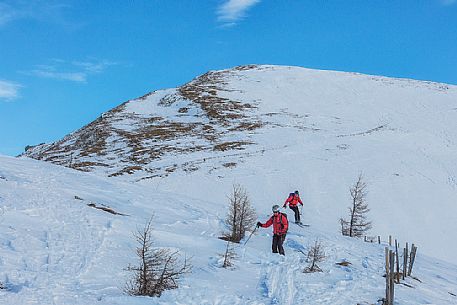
(250, 236)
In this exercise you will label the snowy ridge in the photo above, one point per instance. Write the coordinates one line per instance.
(272, 129)
(221, 114)
(316, 131)
(57, 250)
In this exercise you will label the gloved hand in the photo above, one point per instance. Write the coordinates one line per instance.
(259, 224)
(284, 206)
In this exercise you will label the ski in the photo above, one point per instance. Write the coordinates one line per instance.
(302, 225)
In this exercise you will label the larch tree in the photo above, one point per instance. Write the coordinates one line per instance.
(241, 216)
(357, 223)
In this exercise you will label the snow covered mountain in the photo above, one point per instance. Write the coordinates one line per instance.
(232, 114)
(276, 129)
(177, 152)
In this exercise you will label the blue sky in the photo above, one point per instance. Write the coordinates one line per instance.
(63, 63)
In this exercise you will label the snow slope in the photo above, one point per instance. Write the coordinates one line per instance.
(177, 152)
(55, 249)
(275, 129)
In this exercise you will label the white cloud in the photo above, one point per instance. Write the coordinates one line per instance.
(71, 76)
(9, 90)
(233, 10)
(76, 71)
(94, 67)
(42, 10)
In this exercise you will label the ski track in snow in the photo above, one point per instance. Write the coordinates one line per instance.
(283, 280)
(62, 248)
(57, 250)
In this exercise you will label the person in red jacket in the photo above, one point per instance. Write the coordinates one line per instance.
(280, 226)
(293, 200)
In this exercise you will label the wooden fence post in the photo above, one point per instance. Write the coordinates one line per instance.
(407, 258)
(405, 261)
(392, 285)
(412, 258)
(379, 239)
(390, 240)
(387, 277)
(397, 262)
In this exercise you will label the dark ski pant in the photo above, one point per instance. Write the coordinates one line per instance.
(277, 243)
(297, 213)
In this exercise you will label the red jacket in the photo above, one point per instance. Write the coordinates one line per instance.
(293, 200)
(279, 222)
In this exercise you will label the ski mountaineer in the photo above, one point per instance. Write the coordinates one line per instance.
(293, 200)
(280, 226)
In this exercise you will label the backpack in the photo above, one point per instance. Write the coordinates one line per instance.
(291, 197)
(280, 218)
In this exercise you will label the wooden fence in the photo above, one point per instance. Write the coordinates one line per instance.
(393, 272)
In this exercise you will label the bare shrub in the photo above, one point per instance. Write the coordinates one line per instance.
(357, 224)
(315, 255)
(228, 256)
(240, 217)
(158, 269)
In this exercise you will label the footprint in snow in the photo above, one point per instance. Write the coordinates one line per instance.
(294, 245)
(365, 262)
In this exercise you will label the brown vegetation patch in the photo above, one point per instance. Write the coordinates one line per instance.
(127, 170)
(164, 131)
(171, 169)
(106, 209)
(190, 168)
(231, 145)
(93, 139)
(86, 166)
(120, 108)
(204, 92)
(246, 67)
(363, 133)
(142, 98)
(229, 164)
(344, 263)
(243, 126)
(153, 120)
(168, 100)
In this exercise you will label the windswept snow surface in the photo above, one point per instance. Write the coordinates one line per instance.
(55, 249)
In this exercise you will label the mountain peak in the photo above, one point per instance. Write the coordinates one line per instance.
(219, 114)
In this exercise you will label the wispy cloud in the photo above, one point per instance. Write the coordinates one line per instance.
(9, 90)
(42, 10)
(7, 13)
(231, 11)
(77, 71)
(94, 67)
